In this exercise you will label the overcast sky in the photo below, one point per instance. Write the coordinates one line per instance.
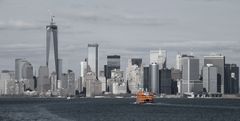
(130, 28)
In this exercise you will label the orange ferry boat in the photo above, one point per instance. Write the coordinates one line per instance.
(144, 97)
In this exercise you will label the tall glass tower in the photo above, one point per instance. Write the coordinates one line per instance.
(92, 60)
(52, 37)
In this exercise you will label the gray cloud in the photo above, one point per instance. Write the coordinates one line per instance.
(19, 25)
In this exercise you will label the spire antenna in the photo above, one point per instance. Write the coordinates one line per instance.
(52, 19)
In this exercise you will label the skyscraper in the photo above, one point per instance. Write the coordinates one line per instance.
(43, 82)
(146, 78)
(52, 38)
(191, 82)
(217, 61)
(27, 75)
(231, 81)
(154, 77)
(134, 76)
(24, 73)
(113, 62)
(179, 58)
(92, 60)
(71, 83)
(210, 78)
(83, 71)
(165, 81)
(159, 57)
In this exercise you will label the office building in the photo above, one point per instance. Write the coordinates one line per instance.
(154, 77)
(113, 62)
(7, 83)
(179, 58)
(43, 82)
(231, 84)
(52, 40)
(134, 76)
(92, 60)
(165, 81)
(159, 57)
(93, 86)
(146, 78)
(210, 78)
(24, 73)
(83, 71)
(71, 83)
(190, 75)
(53, 81)
(217, 61)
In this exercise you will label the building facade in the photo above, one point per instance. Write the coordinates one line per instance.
(231, 82)
(159, 57)
(210, 78)
(217, 61)
(92, 60)
(52, 40)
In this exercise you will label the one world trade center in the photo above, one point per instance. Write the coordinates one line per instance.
(52, 38)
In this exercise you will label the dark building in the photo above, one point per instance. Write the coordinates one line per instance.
(113, 62)
(136, 61)
(231, 81)
(146, 78)
(176, 76)
(52, 38)
(165, 81)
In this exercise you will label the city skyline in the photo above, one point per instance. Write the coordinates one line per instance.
(120, 29)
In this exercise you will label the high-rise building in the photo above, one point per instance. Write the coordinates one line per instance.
(43, 82)
(217, 61)
(210, 78)
(146, 78)
(27, 76)
(92, 60)
(7, 83)
(64, 81)
(93, 86)
(191, 82)
(134, 76)
(54, 82)
(154, 77)
(83, 71)
(24, 73)
(165, 81)
(71, 83)
(52, 39)
(60, 61)
(231, 82)
(113, 62)
(179, 58)
(159, 57)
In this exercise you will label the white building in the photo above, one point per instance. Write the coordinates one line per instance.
(83, 71)
(92, 60)
(7, 83)
(134, 75)
(93, 86)
(159, 57)
(119, 88)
